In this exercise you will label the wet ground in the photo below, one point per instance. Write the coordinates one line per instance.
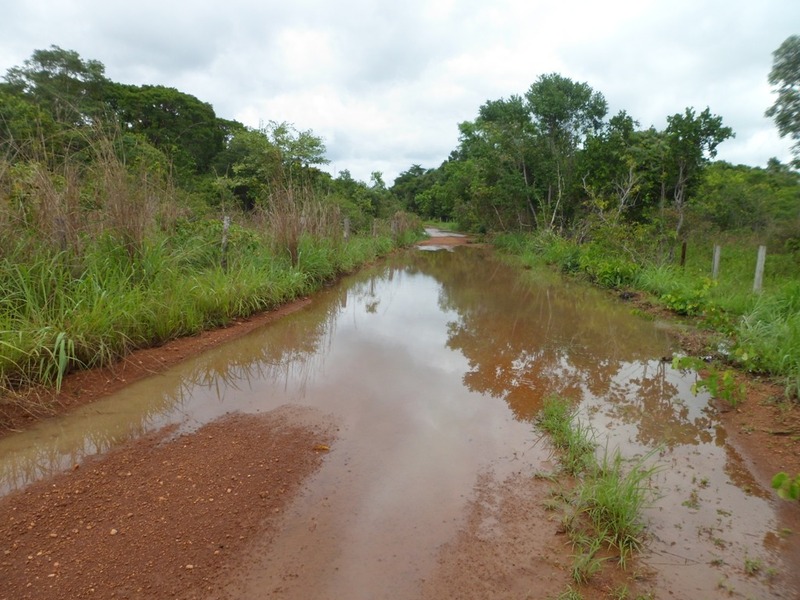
(430, 369)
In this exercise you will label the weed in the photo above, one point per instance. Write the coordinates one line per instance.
(727, 586)
(613, 498)
(568, 435)
(693, 502)
(771, 573)
(569, 594)
(610, 498)
(752, 566)
(620, 593)
(586, 563)
(788, 488)
(719, 384)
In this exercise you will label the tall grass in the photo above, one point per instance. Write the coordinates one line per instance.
(769, 335)
(99, 257)
(606, 506)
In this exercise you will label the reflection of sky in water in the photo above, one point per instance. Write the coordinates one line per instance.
(434, 366)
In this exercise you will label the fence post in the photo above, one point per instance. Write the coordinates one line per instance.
(715, 263)
(683, 254)
(762, 258)
(226, 223)
(346, 228)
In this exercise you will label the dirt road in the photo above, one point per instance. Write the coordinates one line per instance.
(190, 516)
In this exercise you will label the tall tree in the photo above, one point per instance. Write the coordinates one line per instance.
(692, 141)
(610, 174)
(785, 76)
(183, 127)
(60, 81)
(566, 112)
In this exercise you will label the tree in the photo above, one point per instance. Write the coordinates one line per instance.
(785, 76)
(410, 184)
(184, 128)
(60, 81)
(24, 126)
(691, 142)
(609, 170)
(297, 148)
(566, 113)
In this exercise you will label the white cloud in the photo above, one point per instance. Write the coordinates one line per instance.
(386, 84)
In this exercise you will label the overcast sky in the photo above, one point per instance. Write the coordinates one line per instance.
(385, 84)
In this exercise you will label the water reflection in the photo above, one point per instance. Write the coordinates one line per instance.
(503, 335)
(435, 364)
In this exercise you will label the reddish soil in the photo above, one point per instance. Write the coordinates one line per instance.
(173, 517)
(162, 517)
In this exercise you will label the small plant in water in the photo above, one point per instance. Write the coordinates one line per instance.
(567, 434)
(720, 384)
(752, 566)
(693, 502)
(788, 488)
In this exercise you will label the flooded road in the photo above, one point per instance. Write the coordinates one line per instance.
(433, 366)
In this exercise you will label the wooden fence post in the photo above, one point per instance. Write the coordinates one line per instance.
(715, 263)
(346, 228)
(762, 258)
(683, 254)
(226, 223)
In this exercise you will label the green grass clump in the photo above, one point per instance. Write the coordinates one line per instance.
(769, 335)
(572, 438)
(605, 508)
(613, 499)
(60, 312)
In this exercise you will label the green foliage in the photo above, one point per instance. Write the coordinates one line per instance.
(787, 487)
(742, 198)
(785, 76)
(691, 302)
(181, 126)
(769, 335)
(607, 270)
(718, 383)
(62, 83)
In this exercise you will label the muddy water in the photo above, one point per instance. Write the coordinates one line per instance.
(433, 366)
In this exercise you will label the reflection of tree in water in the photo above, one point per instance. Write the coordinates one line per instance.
(292, 352)
(527, 337)
(644, 396)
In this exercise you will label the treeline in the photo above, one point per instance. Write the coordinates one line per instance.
(130, 215)
(57, 105)
(553, 159)
(557, 181)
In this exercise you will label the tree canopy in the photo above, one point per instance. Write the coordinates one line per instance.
(785, 77)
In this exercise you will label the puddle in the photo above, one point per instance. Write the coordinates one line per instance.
(434, 365)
